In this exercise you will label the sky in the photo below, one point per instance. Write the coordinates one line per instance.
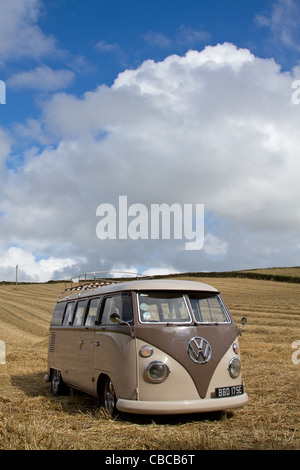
(111, 108)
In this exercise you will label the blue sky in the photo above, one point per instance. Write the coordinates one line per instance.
(185, 102)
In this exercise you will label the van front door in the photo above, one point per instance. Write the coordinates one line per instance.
(115, 354)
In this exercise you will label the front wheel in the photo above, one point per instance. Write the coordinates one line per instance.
(109, 397)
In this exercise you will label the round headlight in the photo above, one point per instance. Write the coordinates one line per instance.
(157, 371)
(234, 367)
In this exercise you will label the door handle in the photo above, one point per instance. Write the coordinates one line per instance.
(97, 343)
(81, 342)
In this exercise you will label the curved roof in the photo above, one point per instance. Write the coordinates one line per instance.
(140, 285)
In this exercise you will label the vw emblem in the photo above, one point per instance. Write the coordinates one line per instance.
(199, 350)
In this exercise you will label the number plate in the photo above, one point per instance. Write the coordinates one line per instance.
(231, 391)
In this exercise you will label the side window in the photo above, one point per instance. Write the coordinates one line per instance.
(78, 320)
(69, 313)
(120, 304)
(58, 314)
(92, 312)
(111, 305)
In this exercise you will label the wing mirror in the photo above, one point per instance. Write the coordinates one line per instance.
(115, 318)
(243, 323)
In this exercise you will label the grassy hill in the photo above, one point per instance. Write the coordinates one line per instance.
(269, 274)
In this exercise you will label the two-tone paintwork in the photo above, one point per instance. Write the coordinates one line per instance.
(86, 354)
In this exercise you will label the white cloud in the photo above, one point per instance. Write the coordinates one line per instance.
(113, 50)
(160, 271)
(184, 36)
(5, 147)
(190, 36)
(20, 36)
(122, 270)
(29, 268)
(42, 78)
(213, 246)
(33, 131)
(215, 127)
(283, 22)
(157, 39)
(104, 46)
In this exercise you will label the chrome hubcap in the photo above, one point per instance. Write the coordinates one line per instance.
(110, 397)
(56, 381)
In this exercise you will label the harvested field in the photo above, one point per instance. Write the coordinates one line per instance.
(30, 418)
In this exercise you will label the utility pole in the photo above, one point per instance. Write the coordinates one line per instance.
(16, 276)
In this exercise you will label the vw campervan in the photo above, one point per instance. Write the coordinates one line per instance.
(147, 346)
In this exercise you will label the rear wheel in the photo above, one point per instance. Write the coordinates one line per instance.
(58, 387)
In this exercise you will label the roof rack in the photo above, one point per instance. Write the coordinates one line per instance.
(83, 282)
